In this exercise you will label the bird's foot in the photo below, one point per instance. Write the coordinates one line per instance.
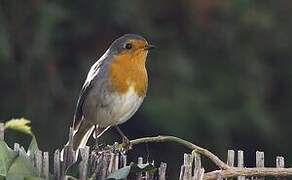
(97, 147)
(126, 144)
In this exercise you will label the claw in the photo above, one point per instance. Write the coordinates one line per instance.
(127, 145)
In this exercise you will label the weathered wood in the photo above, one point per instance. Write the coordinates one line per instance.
(186, 169)
(45, 165)
(240, 163)
(116, 161)
(102, 165)
(92, 162)
(2, 129)
(123, 160)
(57, 165)
(198, 170)
(22, 152)
(188, 162)
(83, 166)
(261, 172)
(230, 158)
(181, 174)
(71, 133)
(32, 159)
(111, 163)
(39, 161)
(197, 159)
(16, 147)
(150, 175)
(219, 177)
(260, 161)
(139, 175)
(162, 171)
(280, 163)
(69, 154)
(199, 175)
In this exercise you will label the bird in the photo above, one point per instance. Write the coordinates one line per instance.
(113, 91)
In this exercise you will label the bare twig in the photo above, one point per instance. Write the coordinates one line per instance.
(259, 172)
(185, 143)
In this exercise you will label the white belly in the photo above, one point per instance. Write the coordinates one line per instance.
(121, 109)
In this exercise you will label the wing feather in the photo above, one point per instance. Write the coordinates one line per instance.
(78, 115)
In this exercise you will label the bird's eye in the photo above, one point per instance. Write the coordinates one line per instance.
(128, 46)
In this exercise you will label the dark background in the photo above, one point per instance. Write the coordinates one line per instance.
(221, 75)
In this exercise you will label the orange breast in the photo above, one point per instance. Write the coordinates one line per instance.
(128, 70)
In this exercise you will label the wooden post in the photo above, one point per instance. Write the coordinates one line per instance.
(83, 166)
(260, 161)
(16, 147)
(186, 169)
(2, 131)
(198, 170)
(116, 161)
(45, 165)
(123, 160)
(162, 171)
(280, 163)
(102, 165)
(57, 165)
(92, 162)
(68, 154)
(181, 174)
(139, 175)
(150, 175)
(230, 158)
(39, 161)
(188, 162)
(219, 177)
(111, 163)
(240, 163)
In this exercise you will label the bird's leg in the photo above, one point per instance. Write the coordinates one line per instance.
(95, 136)
(126, 142)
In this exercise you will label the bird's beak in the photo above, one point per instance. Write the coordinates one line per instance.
(149, 47)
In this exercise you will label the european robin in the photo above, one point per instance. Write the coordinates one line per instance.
(114, 89)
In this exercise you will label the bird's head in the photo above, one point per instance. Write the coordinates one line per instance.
(131, 46)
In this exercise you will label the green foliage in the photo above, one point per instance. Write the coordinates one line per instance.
(16, 166)
(19, 124)
(132, 168)
(33, 147)
(7, 156)
(220, 68)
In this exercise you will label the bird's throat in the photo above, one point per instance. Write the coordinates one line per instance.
(128, 70)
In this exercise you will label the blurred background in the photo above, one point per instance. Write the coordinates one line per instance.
(221, 76)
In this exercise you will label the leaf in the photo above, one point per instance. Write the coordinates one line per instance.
(33, 178)
(33, 146)
(19, 124)
(132, 168)
(7, 156)
(120, 173)
(22, 167)
(73, 169)
(143, 168)
(23, 178)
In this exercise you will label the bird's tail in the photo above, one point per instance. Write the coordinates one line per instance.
(81, 135)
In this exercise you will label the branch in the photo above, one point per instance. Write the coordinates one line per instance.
(185, 143)
(235, 172)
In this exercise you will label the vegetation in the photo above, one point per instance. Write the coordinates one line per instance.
(220, 77)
